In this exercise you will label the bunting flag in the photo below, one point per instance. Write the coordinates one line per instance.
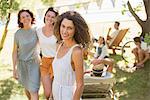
(85, 6)
(113, 3)
(99, 3)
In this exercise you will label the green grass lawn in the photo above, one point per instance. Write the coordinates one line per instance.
(8, 86)
(10, 89)
(132, 86)
(129, 86)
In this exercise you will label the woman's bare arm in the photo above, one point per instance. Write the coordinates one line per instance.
(14, 59)
(77, 59)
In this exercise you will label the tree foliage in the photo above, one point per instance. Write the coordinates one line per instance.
(48, 2)
(136, 9)
(6, 7)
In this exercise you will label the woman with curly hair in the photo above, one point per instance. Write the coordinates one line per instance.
(72, 33)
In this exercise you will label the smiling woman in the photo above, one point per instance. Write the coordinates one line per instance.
(71, 31)
(25, 57)
(67, 29)
(47, 42)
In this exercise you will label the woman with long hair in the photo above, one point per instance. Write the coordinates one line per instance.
(47, 42)
(72, 33)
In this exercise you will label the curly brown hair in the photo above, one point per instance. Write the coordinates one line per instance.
(20, 25)
(82, 35)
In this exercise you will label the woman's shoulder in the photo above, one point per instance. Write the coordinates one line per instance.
(77, 53)
(18, 31)
(77, 50)
(38, 30)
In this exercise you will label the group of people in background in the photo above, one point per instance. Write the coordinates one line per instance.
(61, 41)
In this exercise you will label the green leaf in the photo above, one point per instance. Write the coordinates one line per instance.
(147, 38)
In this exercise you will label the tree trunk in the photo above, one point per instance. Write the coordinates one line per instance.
(5, 30)
(144, 24)
(4, 33)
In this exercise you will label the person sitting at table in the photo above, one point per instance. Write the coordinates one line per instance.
(102, 56)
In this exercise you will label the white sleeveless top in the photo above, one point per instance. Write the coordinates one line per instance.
(64, 83)
(47, 44)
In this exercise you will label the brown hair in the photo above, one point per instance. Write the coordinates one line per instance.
(118, 23)
(137, 39)
(103, 39)
(28, 11)
(82, 35)
(51, 9)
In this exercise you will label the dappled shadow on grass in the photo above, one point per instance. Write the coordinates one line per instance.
(122, 64)
(6, 89)
(116, 57)
(9, 87)
(133, 86)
